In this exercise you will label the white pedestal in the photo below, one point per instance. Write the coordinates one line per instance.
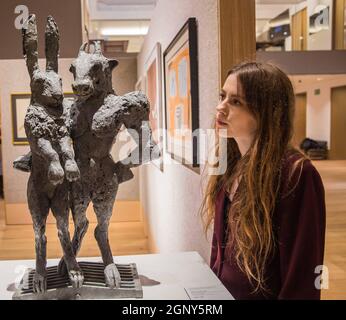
(182, 276)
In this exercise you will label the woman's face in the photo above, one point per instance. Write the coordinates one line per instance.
(232, 113)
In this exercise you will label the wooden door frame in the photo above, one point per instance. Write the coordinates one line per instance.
(237, 33)
(331, 115)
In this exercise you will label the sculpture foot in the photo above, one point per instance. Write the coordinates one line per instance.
(71, 170)
(39, 283)
(112, 276)
(56, 173)
(76, 278)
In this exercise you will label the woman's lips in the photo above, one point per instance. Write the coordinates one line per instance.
(220, 123)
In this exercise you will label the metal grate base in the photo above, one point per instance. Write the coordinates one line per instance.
(94, 287)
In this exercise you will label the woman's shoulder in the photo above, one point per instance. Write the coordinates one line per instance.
(298, 172)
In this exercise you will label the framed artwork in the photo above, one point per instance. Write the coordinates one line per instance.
(69, 96)
(19, 104)
(181, 96)
(153, 68)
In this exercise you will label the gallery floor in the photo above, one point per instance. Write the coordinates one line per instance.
(128, 238)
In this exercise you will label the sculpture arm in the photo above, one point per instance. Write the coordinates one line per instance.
(133, 111)
(43, 147)
(66, 147)
(137, 123)
(130, 109)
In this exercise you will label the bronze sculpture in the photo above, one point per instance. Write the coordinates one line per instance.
(93, 122)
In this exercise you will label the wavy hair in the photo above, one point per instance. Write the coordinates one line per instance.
(270, 98)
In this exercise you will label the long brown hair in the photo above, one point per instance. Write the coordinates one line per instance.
(270, 98)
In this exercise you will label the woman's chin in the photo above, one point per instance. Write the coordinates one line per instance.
(223, 132)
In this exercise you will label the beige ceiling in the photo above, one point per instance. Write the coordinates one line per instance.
(120, 20)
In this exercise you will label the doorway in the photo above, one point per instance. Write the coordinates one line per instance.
(338, 124)
(299, 122)
(299, 30)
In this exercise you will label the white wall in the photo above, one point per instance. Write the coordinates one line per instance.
(321, 40)
(318, 113)
(14, 79)
(171, 199)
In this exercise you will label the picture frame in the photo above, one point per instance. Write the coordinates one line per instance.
(182, 97)
(19, 105)
(153, 86)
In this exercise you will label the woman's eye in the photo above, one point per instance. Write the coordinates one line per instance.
(221, 96)
(236, 102)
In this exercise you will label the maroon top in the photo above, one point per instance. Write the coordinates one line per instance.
(299, 227)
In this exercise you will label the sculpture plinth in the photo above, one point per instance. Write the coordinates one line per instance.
(94, 286)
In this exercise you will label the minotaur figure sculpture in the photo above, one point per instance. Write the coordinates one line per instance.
(52, 163)
(94, 120)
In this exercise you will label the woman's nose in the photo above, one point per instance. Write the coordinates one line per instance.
(221, 107)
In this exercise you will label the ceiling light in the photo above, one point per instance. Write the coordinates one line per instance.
(134, 31)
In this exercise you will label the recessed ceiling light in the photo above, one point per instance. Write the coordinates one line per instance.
(138, 31)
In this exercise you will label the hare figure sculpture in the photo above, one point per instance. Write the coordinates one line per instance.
(52, 166)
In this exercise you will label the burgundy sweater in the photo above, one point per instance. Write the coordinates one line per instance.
(299, 227)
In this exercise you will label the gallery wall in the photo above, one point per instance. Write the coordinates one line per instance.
(171, 199)
(66, 13)
(318, 109)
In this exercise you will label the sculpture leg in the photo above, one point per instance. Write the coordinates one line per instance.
(79, 201)
(103, 207)
(39, 209)
(60, 211)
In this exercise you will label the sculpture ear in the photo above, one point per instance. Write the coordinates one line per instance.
(29, 34)
(52, 45)
(112, 63)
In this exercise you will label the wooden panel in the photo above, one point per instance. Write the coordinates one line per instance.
(237, 33)
(123, 211)
(338, 124)
(299, 125)
(299, 30)
(338, 26)
(305, 29)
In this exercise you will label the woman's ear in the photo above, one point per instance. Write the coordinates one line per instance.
(112, 63)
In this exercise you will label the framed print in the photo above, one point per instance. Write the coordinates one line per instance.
(69, 96)
(181, 96)
(19, 104)
(153, 67)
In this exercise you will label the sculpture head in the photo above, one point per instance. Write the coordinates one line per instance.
(92, 72)
(46, 86)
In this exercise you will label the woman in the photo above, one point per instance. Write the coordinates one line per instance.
(268, 207)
